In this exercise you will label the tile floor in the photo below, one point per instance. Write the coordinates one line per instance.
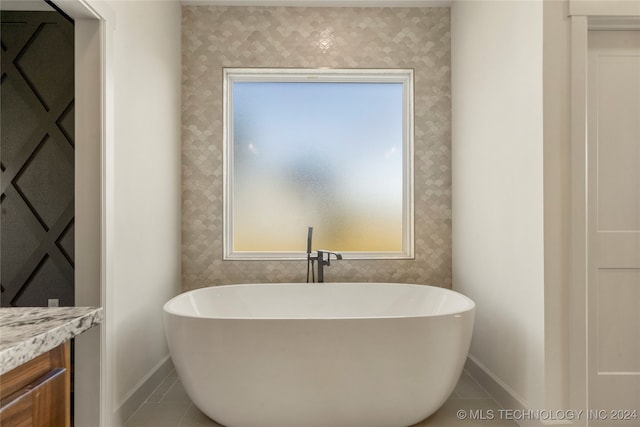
(169, 406)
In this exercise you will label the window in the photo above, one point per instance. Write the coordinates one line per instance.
(331, 149)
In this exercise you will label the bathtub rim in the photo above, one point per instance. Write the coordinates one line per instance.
(467, 308)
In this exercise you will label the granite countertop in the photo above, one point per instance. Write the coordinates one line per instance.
(27, 332)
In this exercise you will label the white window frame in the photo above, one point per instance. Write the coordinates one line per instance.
(404, 76)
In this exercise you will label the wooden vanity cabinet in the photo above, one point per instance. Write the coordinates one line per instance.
(38, 393)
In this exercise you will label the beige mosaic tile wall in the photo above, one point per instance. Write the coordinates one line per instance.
(217, 37)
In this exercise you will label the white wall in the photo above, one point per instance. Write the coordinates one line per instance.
(497, 172)
(147, 195)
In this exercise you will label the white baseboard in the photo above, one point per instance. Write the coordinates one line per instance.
(503, 394)
(145, 387)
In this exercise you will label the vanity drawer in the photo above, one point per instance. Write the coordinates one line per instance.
(40, 404)
(37, 393)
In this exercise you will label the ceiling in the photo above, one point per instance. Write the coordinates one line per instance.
(320, 3)
(29, 5)
(41, 5)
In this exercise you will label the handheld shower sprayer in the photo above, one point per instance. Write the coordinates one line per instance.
(309, 239)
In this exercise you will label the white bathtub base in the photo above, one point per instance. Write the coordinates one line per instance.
(320, 372)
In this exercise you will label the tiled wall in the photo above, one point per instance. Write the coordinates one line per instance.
(217, 37)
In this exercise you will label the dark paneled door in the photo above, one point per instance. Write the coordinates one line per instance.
(37, 159)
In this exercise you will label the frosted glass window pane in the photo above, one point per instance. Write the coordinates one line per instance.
(323, 154)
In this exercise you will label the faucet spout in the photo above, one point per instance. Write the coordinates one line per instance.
(329, 253)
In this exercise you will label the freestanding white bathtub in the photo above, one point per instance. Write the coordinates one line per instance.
(319, 355)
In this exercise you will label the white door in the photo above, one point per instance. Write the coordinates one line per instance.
(613, 288)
